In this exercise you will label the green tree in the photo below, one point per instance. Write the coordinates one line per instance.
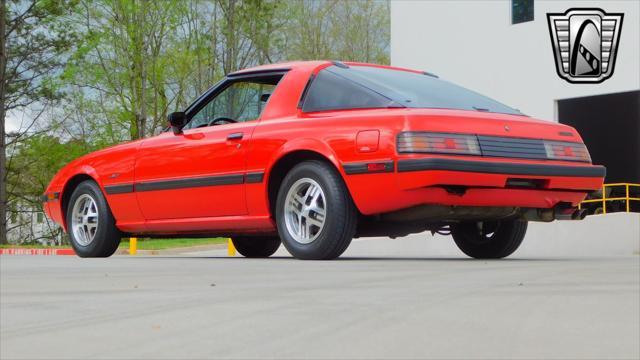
(34, 36)
(33, 163)
(134, 61)
(337, 30)
(123, 62)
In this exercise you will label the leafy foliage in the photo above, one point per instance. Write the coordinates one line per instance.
(91, 73)
(35, 162)
(34, 38)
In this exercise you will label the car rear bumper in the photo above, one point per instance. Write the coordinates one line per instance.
(461, 182)
(408, 165)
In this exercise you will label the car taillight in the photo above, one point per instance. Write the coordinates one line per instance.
(560, 150)
(430, 142)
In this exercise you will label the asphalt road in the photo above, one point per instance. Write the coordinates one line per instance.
(409, 304)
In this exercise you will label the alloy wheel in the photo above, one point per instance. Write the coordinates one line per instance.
(305, 210)
(84, 221)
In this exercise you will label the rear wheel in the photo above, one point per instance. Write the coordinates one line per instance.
(256, 247)
(92, 228)
(315, 215)
(489, 239)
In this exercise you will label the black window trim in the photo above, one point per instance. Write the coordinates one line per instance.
(242, 73)
(305, 91)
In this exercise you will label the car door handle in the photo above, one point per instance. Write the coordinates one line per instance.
(235, 136)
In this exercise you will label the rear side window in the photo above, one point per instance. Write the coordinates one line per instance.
(330, 91)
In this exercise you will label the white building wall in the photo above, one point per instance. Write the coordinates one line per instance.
(27, 224)
(473, 44)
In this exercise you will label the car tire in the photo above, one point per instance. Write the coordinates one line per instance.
(313, 193)
(90, 223)
(492, 240)
(256, 247)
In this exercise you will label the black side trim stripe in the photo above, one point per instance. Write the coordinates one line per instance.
(235, 179)
(190, 182)
(500, 168)
(254, 177)
(119, 189)
(361, 167)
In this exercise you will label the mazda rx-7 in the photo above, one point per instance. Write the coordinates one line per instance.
(313, 154)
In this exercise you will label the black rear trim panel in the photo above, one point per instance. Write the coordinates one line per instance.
(500, 168)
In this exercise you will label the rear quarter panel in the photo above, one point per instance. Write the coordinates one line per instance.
(331, 134)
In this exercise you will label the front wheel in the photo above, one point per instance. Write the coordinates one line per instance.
(489, 239)
(92, 228)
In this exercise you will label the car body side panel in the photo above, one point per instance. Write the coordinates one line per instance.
(274, 141)
(202, 154)
(112, 166)
(116, 169)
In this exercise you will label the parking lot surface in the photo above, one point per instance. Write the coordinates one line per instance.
(411, 303)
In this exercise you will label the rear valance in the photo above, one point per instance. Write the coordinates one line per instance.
(406, 165)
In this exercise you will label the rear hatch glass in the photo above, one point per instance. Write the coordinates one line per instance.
(416, 90)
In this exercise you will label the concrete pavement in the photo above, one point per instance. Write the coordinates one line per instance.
(416, 297)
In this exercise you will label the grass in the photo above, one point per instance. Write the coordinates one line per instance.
(160, 244)
(31, 246)
(143, 244)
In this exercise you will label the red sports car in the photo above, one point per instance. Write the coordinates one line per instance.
(313, 154)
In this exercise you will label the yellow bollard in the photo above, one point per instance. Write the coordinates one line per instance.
(133, 246)
(231, 250)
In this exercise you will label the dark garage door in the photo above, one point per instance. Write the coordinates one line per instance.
(610, 126)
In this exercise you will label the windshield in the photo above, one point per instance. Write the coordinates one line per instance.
(416, 90)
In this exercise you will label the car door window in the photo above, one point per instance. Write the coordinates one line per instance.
(241, 101)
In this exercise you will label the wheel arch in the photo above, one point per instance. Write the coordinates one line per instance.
(290, 158)
(70, 185)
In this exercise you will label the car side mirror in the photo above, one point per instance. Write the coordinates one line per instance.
(177, 120)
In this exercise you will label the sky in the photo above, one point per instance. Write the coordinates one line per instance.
(12, 123)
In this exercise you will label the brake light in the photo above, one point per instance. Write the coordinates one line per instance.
(560, 150)
(428, 142)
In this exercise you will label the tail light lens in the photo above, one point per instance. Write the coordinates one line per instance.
(468, 144)
(560, 150)
(443, 143)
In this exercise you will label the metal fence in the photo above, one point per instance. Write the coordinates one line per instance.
(620, 197)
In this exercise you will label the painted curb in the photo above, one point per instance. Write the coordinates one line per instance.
(46, 252)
